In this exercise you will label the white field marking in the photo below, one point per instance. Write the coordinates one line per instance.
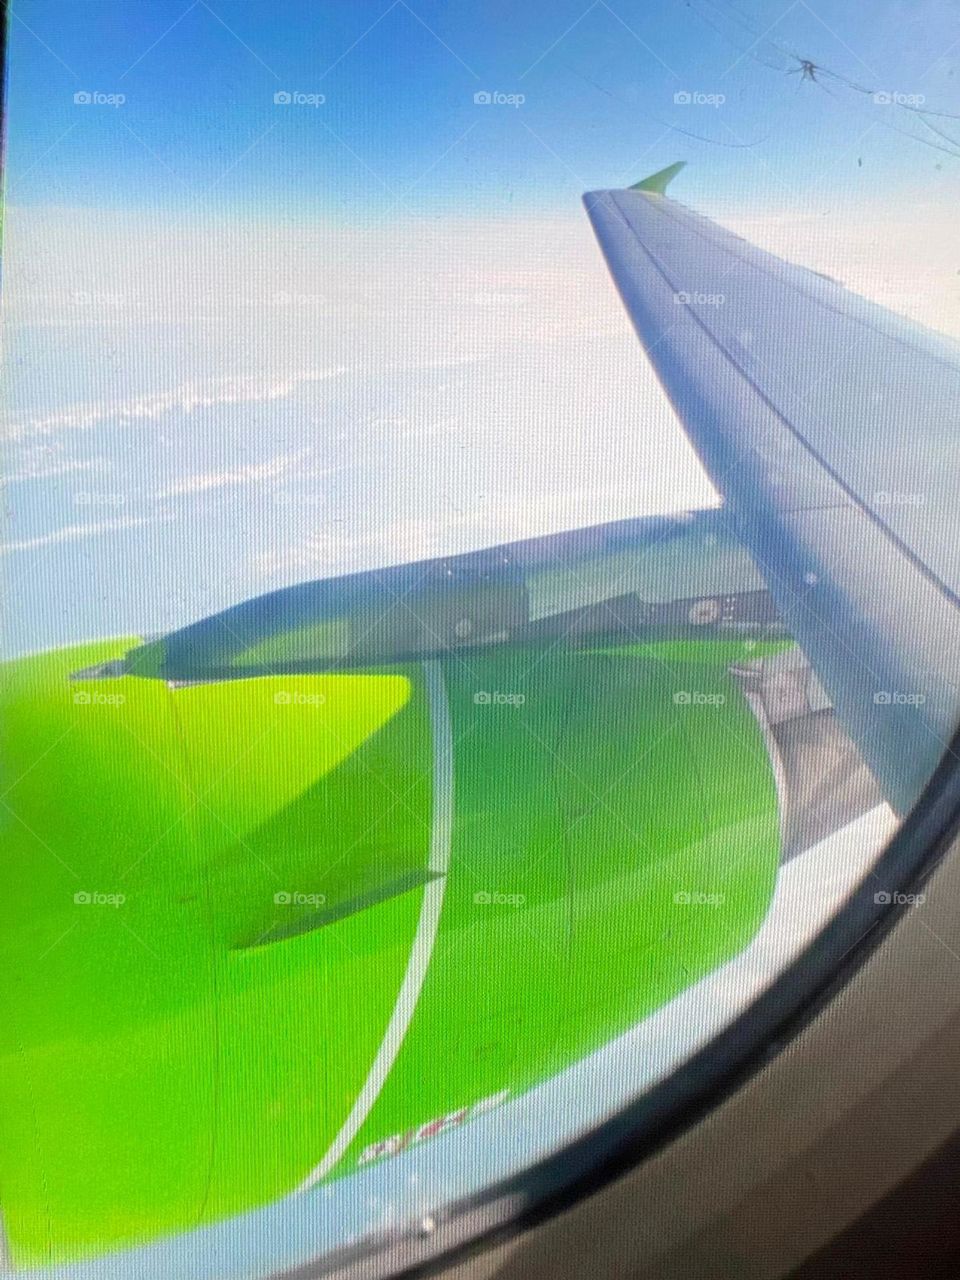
(425, 936)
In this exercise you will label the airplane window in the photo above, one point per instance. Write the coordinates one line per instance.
(481, 589)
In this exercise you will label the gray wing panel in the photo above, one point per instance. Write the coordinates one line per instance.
(831, 427)
(643, 578)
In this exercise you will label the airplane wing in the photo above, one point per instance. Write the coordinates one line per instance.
(635, 578)
(831, 428)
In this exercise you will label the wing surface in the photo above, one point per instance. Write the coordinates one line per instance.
(831, 428)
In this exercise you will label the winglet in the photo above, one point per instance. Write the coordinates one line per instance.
(657, 182)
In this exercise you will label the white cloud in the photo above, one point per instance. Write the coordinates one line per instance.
(204, 481)
(471, 382)
(37, 467)
(79, 532)
(185, 398)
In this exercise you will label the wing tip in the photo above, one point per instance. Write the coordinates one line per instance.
(659, 181)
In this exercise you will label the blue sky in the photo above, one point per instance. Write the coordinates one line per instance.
(399, 131)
